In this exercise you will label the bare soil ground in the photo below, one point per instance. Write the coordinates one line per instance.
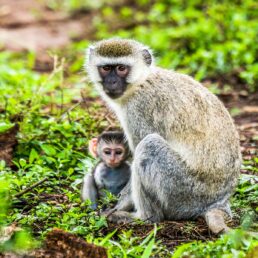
(247, 123)
(31, 25)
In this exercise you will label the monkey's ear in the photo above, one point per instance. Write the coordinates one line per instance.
(147, 56)
(93, 144)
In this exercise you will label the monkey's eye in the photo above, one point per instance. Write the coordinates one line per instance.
(122, 70)
(104, 70)
(107, 152)
(119, 152)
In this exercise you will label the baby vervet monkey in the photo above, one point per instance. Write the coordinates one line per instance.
(112, 172)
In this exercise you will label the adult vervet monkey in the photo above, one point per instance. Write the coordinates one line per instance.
(186, 148)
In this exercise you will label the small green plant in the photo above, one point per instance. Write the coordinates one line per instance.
(234, 244)
(12, 238)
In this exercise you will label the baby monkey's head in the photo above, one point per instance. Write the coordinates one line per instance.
(111, 147)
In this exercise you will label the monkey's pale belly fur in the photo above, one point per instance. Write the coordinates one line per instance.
(206, 145)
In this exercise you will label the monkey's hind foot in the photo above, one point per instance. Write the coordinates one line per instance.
(215, 221)
(120, 217)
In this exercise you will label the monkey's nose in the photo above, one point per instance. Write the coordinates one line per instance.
(113, 85)
(113, 157)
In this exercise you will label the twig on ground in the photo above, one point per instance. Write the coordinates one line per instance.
(66, 113)
(30, 188)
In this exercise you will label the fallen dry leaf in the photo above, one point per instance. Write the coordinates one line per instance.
(7, 143)
(7, 232)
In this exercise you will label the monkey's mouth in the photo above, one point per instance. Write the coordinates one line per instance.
(113, 165)
(114, 94)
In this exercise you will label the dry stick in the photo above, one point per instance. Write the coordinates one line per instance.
(200, 236)
(84, 100)
(69, 110)
(61, 67)
(30, 188)
(100, 120)
(112, 124)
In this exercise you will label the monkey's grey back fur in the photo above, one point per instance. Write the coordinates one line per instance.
(186, 148)
(200, 159)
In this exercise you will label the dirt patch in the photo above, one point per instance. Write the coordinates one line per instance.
(246, 121)
(170, 233)
(248, 130)
(19, 13)
(62, 244)
(31, 25)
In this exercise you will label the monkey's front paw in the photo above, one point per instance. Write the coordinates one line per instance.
(107, 212)
(120, 217)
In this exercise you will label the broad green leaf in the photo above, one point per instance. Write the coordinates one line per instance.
(5, 126)
(148, 249)
(107, 238)
(22, 162)
(48, 149)
(33, 155)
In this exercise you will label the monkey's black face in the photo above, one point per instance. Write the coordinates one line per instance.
(114, 79)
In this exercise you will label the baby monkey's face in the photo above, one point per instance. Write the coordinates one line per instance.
(113, 154)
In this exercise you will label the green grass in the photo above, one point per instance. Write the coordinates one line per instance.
(236, 244)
